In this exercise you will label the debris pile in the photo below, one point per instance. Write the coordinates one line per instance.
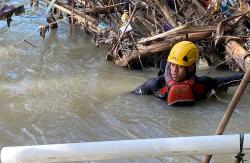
(140, 32)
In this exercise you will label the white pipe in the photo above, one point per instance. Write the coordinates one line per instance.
(200, 145)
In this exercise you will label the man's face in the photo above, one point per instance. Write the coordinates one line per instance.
(178, 72)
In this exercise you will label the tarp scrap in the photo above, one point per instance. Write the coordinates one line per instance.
(7, 11)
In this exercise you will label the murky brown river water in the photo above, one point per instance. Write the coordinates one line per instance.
(64, 91)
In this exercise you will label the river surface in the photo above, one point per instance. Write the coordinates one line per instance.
(64, 91)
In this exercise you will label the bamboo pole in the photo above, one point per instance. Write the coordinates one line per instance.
(231, 107)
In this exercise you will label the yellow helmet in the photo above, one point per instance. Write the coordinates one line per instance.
(184, 53)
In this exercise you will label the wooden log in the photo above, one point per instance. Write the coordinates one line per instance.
(239, 54)
(144, 51)
(161, 35)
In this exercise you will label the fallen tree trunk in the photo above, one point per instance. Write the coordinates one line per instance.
(144, 51)
(239, 54)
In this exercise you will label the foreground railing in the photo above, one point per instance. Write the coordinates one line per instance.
(125, 149)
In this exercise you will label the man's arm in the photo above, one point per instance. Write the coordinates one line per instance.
(150, 86)
(220, 82)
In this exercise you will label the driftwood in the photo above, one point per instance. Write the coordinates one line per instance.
(178, 30)
(144, 51)
(185, 32)
(156, 25)
(220, 27)
(239, 54)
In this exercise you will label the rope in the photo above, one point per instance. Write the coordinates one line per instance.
(240, 155)
(27, 37)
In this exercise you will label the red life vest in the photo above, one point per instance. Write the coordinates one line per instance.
(180, 92)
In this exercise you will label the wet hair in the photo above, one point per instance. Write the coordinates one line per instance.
(190, 70)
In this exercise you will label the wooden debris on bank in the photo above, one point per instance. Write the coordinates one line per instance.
(237, 56)
(143, 31)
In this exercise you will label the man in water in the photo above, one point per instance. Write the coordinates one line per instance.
(178, 84)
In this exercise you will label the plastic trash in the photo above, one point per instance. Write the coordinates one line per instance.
(129, 28)
(103, 25)
(167, 27)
